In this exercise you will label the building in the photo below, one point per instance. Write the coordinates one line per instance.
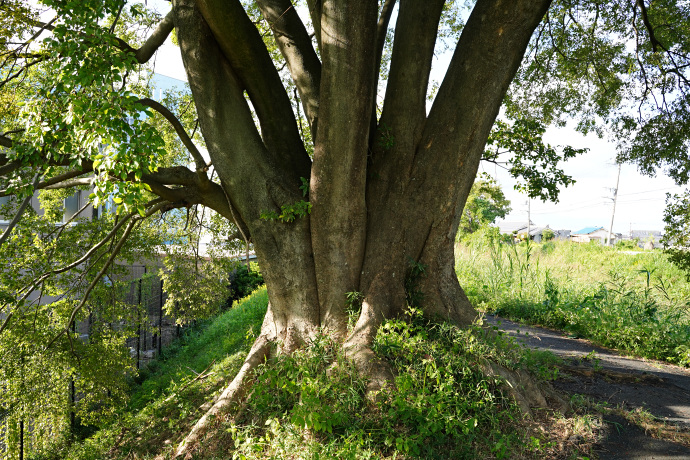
(598, 234)
(644, 236)
(535, 231)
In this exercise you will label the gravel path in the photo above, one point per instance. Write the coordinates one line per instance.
(607, 376)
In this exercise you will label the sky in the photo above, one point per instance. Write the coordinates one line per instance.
(587, 203)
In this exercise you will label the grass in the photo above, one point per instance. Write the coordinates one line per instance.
(166, 397)
(313, 404)
(633, 302)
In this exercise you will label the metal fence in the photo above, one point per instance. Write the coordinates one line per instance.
(154, 331)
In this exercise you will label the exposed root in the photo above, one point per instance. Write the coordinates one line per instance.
(634, 377)
(230, 396)
(523, 389)
(377, 371)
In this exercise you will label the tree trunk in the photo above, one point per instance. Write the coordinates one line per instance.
(253, 178)
(382, 202)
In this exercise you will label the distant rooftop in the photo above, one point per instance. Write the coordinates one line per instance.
(645, 233)
(510, 227)
(587, 230)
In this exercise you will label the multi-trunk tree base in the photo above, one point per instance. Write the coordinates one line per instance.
(521, 386)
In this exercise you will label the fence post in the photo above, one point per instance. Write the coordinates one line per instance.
(160, 320)
(177, 326)
(139, 324)
(21, 440)
(72, 396)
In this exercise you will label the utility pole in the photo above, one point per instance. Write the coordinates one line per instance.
(615, 197)
(529, 219)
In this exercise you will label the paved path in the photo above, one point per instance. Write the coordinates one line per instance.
(659, 388)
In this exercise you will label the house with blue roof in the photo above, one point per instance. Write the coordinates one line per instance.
(590, 234)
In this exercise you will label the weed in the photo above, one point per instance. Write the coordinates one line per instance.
(588, 290)
(313, 403)
(353, 306)
(416, 271)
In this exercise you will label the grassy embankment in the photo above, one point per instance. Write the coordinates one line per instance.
(633, 302)
(313, 405)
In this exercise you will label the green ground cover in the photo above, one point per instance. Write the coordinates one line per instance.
(314, 405)
(635, 302)
(165, 397)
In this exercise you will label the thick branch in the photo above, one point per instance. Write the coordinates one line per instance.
(42, 26)
(59, 179)
(656, 44)
(296, 47)
(382, 31)
(156, 39)
(179, 129)
(70, 183)
(404, 108)
(209, 194)
(150, 46)
(9, 167)
(246, 52)
(315, 8)
(488, 54)
(175, 175)
(6, 142)
(246, 167)
(339, 174)
(53, 181)
(486, 59)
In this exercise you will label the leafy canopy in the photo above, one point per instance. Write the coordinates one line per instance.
(484, 205)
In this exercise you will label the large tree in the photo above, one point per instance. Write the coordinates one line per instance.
(381, 188)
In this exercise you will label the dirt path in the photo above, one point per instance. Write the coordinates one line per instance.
(630, 383)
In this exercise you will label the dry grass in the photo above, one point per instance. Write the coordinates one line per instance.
(658, 429)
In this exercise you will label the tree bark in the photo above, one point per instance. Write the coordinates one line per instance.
(256, 179)
(375, 213)
(382, 201)
(338, 179)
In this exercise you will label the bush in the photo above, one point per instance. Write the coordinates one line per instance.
(547, 234)
(627, 244)
(243, 282)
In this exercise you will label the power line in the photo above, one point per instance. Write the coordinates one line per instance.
(648, 191)
(641, 199)
(556, 211)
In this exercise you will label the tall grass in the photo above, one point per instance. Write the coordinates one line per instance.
(634, 302)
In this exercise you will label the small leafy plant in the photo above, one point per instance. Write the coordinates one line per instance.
(288, 212)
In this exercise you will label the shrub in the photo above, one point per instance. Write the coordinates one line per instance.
(547, 234)
(243, 282)
(627, 244)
